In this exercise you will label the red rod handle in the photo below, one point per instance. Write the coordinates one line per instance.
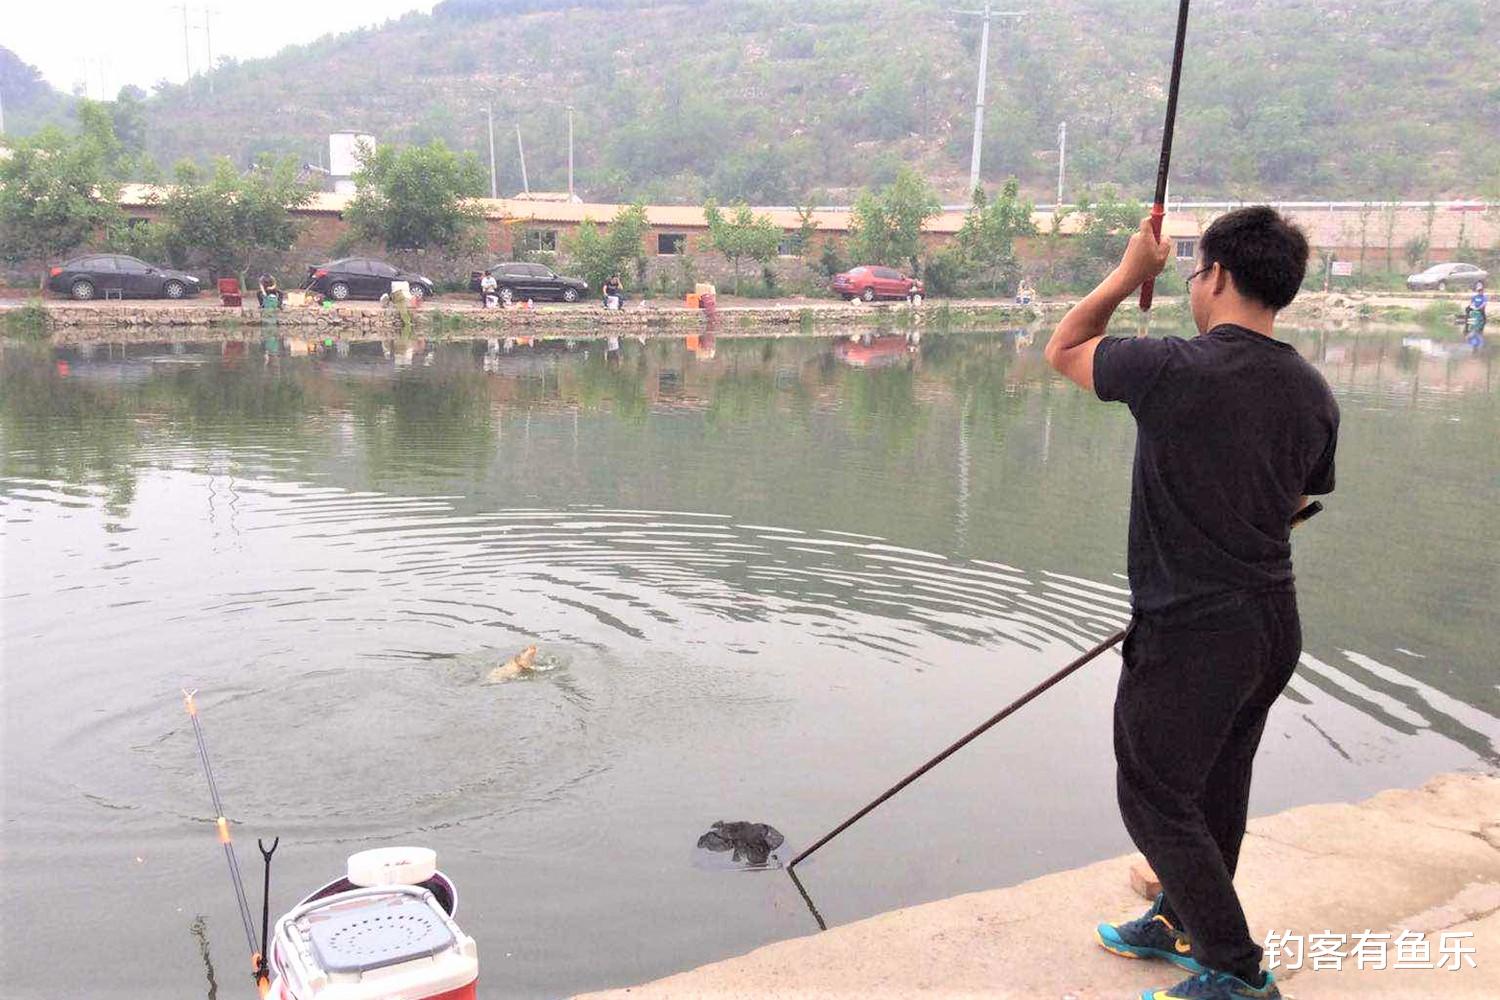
(1149, 288)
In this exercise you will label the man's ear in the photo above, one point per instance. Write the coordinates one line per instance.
(1221, 279)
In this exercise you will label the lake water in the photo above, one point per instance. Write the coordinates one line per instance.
(768, 577)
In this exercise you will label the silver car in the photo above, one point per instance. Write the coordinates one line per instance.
(1445, 276)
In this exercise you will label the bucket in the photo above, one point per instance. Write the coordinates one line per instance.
(691, 300)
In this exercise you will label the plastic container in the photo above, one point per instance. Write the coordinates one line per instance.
(691, 300)
(378, 943)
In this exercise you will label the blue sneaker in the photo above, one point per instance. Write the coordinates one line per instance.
(1149, 936)
(1216, 986)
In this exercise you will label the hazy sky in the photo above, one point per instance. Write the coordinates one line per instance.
(115, 42)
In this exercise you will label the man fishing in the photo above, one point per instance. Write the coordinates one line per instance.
(1234, 430)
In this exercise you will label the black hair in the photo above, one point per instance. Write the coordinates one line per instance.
(1265, 255)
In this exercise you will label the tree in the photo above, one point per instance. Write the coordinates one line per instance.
(988, 236)
(1108, 222)
(601, 254)
(886, 228)
(740, 235)
(225, 221)
(54, 196)
(626, 239)
(807, 226)
(589, 251)
(417, 197)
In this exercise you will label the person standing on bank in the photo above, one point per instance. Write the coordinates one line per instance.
(1233, 431)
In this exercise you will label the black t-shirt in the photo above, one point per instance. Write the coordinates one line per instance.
(1232, 429)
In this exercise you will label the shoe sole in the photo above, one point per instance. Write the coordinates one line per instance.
(1185, 962)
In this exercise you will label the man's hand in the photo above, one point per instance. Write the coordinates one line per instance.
(1071, 349)
(1145, 257)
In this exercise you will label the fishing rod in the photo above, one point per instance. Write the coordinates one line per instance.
(1159, 203)
(257, 954)
(1302, 515)
(965, 741)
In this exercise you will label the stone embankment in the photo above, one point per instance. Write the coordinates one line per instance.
(1424, 861)
(369, 319)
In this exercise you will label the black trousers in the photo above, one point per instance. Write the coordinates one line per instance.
(1191, 706)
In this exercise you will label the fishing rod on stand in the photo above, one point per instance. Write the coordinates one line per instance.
(262, 971)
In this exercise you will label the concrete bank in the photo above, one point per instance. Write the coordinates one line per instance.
(1424, 860)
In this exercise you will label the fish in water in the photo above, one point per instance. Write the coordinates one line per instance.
(752, 843)
(523, 662)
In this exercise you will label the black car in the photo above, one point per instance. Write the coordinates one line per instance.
(362, 278)
(114, 275)
(517, 282)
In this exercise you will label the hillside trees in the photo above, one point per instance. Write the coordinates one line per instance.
(741, 234)
(418, 197)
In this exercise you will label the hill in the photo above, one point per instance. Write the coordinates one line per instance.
(30, 101)
(775, 100)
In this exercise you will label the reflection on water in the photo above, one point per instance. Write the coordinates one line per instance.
(767, 576)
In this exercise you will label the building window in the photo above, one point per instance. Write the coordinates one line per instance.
(671, 244)
(1187, 249)
(539, 241)
(788, 247)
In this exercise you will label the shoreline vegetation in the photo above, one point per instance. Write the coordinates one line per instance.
(36, 318)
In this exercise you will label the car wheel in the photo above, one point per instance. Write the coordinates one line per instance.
(570, 295)
(1442, 286)
(419, 292)
(174, 290)
(507, 295)
(83, 290)
(869, 294)
(339, 290)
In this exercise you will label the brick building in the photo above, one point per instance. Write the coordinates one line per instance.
(1372, 236)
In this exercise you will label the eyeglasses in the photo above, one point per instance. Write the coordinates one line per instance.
(1201, 270)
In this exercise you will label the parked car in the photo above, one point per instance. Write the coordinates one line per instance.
(104, 275)
(871, 283)
(362, 278)
(1446, 276)
(515, 281)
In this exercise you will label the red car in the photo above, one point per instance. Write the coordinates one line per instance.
(870, 283)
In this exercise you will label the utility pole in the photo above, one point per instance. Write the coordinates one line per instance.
(187, 45)
(2, 112)
(525, 185)
(984, 59)
(1062, 158)
(208, 41)
(489, 114)
(570, 153)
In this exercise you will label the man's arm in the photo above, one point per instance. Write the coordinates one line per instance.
(1071, 348)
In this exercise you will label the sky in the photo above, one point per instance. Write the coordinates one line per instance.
(109, 43)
